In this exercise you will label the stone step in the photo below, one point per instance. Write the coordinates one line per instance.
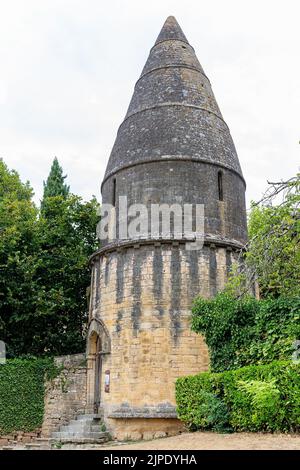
(81, 428)
(77, 425)
(75, 422)
(89, 417)
(85, 429)
(81, 423)
(71, 434)
(37, 446)
(97, 427)
(81, 440)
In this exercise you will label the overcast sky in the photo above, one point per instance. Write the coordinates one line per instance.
(68, 68)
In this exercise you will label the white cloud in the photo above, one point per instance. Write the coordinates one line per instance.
(68, 68)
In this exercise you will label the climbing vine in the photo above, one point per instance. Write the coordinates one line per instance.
(22, 390)
(241, 332)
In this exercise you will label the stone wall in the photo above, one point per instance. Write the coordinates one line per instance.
(65, 396)
(137, 429)
(185, 182)
(19, 437)
(143, 296)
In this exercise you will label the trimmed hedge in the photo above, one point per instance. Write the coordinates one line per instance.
(241, 332)
(22, 393)
(253, 398)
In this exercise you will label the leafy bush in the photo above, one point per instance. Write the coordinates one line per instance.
(198, 402)
(214, 412)
(265, 399)
(253, 398)
(247, 331)
(22, 393)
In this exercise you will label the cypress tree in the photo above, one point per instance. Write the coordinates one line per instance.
(55, 185)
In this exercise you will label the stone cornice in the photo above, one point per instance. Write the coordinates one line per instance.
(160, 411)
(209, 240)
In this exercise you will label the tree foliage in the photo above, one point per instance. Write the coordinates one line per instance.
(18, 246)
(55, 185)
(66, 240)
(44, 268)
(272, 255)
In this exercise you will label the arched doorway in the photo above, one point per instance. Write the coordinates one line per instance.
(96, 359)
(98, 344)
(98, 373)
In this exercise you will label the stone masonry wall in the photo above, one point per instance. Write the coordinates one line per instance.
(65, 396)
(143, 295)
(19, 437)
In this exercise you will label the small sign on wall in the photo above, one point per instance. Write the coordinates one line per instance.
(107, 381)
(2, 352)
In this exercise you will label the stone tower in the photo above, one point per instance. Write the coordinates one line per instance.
(172, 147)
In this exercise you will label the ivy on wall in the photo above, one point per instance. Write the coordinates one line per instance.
(245, 331)
(22, 390)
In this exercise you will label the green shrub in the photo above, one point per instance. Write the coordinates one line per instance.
(199, 404)
(22, 393)
(265, 400)
(247, 331)
(254, 398)
(214, 412)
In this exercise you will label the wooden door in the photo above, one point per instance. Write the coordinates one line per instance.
(98, 364)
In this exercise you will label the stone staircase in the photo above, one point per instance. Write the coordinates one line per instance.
(85, 429)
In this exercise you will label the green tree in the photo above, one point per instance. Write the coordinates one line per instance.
(273, 253)
(18, 246)
(55, 185)
(44, 272)
(271, 258)
(67, 237)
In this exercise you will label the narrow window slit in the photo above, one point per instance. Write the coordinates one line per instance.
(114, 192)
(220, 185)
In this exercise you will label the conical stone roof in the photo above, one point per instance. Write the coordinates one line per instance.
(171, 30)
(173, 114)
